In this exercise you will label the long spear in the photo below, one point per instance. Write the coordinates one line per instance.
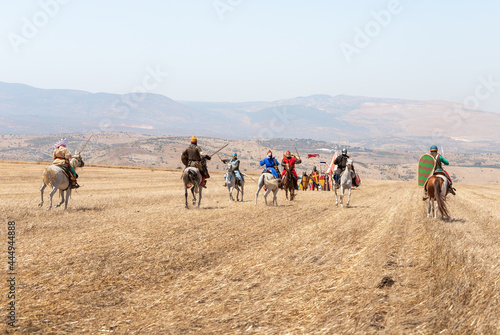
(85, 144)
(218, 150)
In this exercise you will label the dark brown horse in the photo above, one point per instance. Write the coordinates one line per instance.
(437, 188)
(288, 182)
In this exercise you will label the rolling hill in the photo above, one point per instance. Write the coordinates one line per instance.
(341, 119)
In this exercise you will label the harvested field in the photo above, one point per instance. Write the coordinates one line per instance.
(128, 258)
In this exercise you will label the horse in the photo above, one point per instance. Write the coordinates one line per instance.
(192, 178)
(437, 188)
(54, 175)
(271, 183)
(305, 182)
(345, 182)
(232, 183)
(288, 182)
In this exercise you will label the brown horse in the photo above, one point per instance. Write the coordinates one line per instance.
(288, 182)
(437, 187)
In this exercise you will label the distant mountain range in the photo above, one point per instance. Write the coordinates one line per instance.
(370, 122)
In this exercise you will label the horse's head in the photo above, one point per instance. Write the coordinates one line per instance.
(287, 166)
(77, 161)
(349, 162)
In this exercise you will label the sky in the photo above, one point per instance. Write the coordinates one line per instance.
(247, 50)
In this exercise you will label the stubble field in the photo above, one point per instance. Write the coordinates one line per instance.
(128, 258)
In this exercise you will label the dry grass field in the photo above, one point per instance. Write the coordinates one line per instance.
(128, 258)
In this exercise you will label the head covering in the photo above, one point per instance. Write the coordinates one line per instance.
(235, 155)
(194, 139)
(434, 148)
(314, 168)
(269, 154)
(344, 152)
(288, 154)
(62, 142)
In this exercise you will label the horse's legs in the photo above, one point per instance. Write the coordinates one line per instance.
(51, 194)
(61, 194)
(342, 196)
(186, 195)
(68, 194)
(275, 197)
(429, 207)
(259, 186)
(349, 197)
(200, 189)
(41, 193)
(336, 198)
(194, 196)
(242, 187)
(265, 195)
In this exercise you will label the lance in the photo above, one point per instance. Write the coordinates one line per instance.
(297, 152)
(85, 144)
(247, 176)
(218, 151)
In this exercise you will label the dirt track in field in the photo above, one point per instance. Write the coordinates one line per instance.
(127, 257)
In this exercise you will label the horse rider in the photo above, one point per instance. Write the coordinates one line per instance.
(235, 166)
(62, 156)
(271, 165)
(193, 156)
(341, 162)
(438, 169)
(291, 160)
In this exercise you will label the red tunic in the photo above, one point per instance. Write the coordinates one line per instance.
(290, 161)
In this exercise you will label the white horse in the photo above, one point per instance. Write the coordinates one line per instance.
(53, 175)
(192, 178)
(231, 182)
(345, 182)
(272, 184)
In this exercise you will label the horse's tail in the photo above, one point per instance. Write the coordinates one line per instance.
(274, 182)
(48, 175)
(441, 201)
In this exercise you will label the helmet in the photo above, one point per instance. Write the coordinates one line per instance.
(194, 139)
(235, 155)
(434, 148)
(344, 152)
(314, 168)
(269, 153)
(288, 154)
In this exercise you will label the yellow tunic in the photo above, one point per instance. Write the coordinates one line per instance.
(60, 154)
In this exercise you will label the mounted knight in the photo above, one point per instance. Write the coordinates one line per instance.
(271, 165)
(193, 156)
(62, 157)
(234, 166)
(341, 162)
(438, 170)
(291, 161)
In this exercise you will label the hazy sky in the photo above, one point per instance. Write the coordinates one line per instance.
(240, 50)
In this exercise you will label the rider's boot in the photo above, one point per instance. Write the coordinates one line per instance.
(452, 190)
(203, 182)
(74, 184)
(426, 195)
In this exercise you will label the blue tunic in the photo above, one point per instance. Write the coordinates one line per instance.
(270, 163)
